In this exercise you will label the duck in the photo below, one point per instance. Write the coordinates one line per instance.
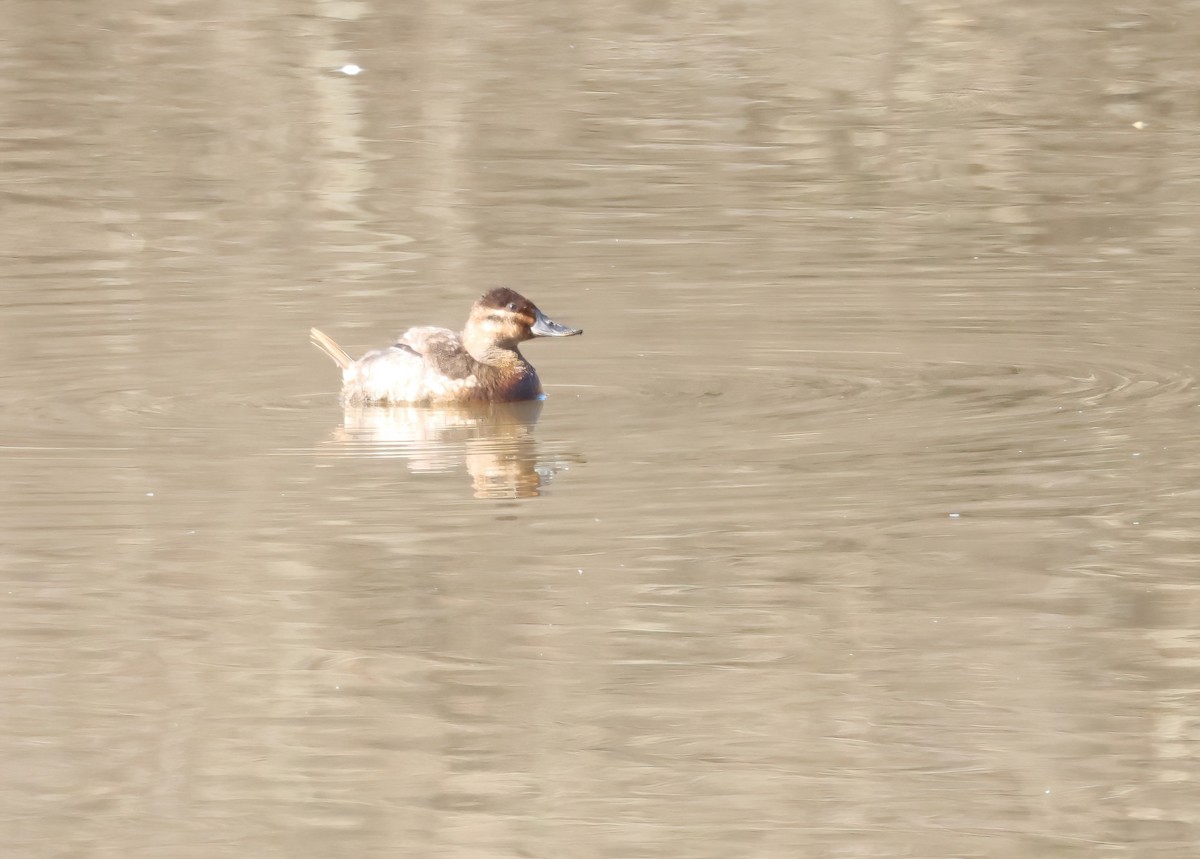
(431, 366)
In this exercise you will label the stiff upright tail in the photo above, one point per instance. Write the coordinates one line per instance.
(325, 343)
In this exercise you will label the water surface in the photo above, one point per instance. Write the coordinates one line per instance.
(861, 522)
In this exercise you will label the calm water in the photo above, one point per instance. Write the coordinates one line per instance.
(862, 522)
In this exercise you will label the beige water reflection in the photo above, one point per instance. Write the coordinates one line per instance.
(872, 529)
(496, 444)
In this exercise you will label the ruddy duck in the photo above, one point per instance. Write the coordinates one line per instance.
(435, 366)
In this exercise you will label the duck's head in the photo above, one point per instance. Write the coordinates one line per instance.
(505, 318)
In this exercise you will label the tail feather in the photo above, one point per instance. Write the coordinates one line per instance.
(326, 344)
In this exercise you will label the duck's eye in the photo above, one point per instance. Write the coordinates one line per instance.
(512, 305)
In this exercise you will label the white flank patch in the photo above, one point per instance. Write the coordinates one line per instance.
(398, 376)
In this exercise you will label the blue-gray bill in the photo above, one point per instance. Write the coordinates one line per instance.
(547, 327)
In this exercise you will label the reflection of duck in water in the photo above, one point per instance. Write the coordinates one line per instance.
(494, 441)
(436, 367)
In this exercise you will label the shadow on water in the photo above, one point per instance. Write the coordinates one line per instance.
(494, 442)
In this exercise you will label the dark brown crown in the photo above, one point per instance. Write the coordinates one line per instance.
(503, 298)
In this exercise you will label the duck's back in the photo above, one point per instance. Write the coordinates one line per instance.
(441, 349)
(426, 365)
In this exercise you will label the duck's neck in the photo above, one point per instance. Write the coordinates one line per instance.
(491, 354)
